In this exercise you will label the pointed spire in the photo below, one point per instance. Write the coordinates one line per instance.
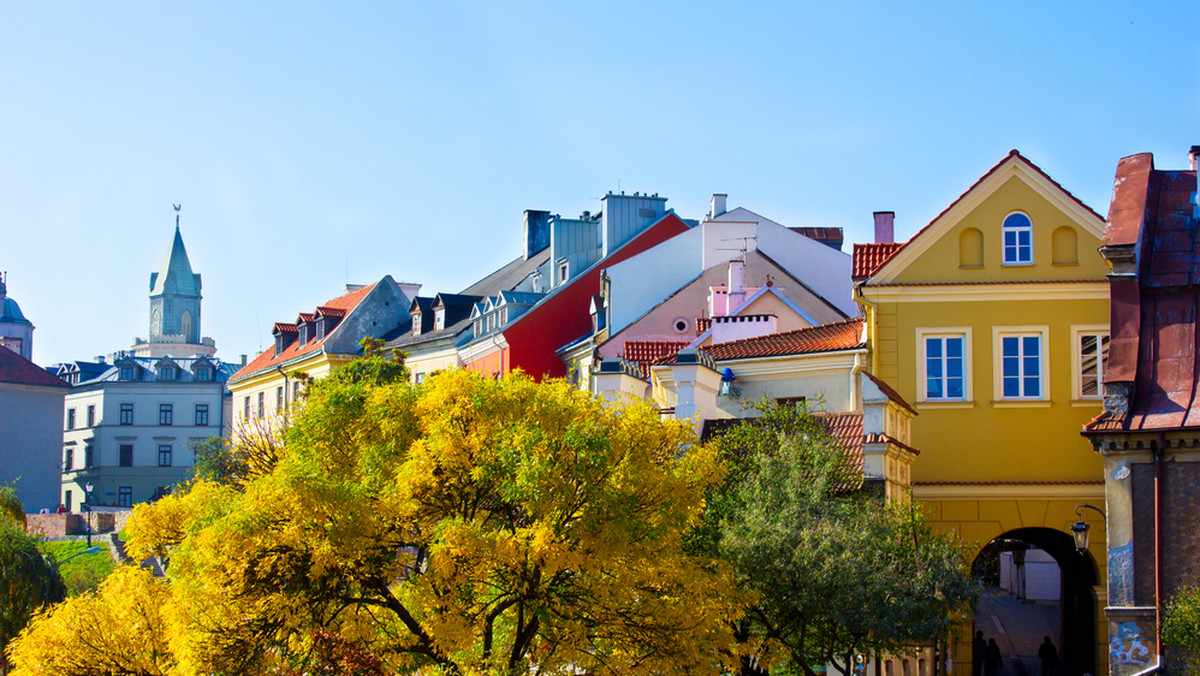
(176, 267)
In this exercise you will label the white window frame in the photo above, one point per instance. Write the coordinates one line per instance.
(1078, 331)
(964, 332)
(564, 272)
(1004, 230)
(998, 335)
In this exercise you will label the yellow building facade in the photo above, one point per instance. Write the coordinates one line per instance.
(993, 321)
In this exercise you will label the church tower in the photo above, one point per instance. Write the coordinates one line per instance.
(16, 332)
(175, 307)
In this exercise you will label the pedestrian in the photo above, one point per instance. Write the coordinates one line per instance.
(992, 659)
(1048, 654)
(978, 650)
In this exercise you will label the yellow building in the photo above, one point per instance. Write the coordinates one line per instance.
(993, 321)
(313, 345)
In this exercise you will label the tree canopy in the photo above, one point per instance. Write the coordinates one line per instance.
(464, 525)
(28, 581)
(835, 571)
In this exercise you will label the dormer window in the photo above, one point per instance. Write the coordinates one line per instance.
(478, 327)
(279, 344)
(439, 319)
(127, 373)
(563, 271)
(303, 328)
(203, 374)
(491, 322)
(168, 372)
(503, 316)
(416, 322)
(320, 328)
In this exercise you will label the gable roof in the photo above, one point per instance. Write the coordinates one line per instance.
(267, 359)
(1014, 164)
(645, 352)
(868, 258)
(844, 335)
(20, 371)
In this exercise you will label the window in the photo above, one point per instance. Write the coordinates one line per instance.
(491, 322)
(67, 500)
(69, 459)
(945, 368)
(126, 456)
(1018, 239)
(126, 414)
(279, 399)
(70, 418)
(167, 373)
(503, 316)
(246, 408)
(1091, 355)
(478, 327)
(91, 416)
(320, 328)
(261, 405)
(164, 455)
(295, 391)
(1020, 362)
(416, 323)
(203, 375)
(439, 319)
(125, 496)
(126, 373)
(166, 414)
(562, 272)
(201, 415)
(88, 456)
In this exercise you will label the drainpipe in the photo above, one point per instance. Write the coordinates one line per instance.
(286, 388)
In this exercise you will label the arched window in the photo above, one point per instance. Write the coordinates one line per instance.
(1018, 239)
(1064, 246)
(970, 248)
(185, 325)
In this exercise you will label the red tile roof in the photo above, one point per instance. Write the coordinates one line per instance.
(267, 359)
(889, 392)
(844, 335)
(18, 370)
(284, 327)
(644, 352)
(703, 324)
(868, 257)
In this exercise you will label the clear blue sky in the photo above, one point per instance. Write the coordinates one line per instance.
(315, 143)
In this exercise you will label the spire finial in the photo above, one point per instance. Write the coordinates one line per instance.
(177, 208)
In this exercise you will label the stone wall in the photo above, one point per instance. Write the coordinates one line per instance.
(59, 525)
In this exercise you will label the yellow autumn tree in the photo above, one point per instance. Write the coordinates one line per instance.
(461, 526)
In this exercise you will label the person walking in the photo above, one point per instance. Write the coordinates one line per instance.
(1048, 654)
(992, 659)
(978, 651)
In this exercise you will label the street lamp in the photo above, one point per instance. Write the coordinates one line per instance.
(1080, 528)
(87, 488)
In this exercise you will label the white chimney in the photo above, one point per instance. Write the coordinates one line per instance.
(885, 226)
(737, 288)
(718, 205)
(740, 327)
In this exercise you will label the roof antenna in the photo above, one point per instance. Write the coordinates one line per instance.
(177, 208)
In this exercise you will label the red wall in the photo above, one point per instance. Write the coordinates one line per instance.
(563, 317)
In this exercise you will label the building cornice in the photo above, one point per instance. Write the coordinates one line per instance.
(959, 293)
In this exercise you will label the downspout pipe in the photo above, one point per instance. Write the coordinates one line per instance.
(1157, 448)
(286, 387)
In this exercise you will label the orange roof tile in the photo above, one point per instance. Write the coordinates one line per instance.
(703, 324)
(268, 359)
(844, 335)
(868, 258)
(644, 352)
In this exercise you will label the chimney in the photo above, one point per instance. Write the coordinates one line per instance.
(537, 231)
(885, 226)
(718, 205)
(737, 289)
(1192, 155)
(243, 360)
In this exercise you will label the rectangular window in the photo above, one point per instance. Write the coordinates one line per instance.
(166, 414)
(91, 416)
(125, 496)
(88, 456)
(126, 455)
(203, 375)
(295, 391)
(246, 408)
(126, 373)
(945, 368)
(126, 414)
(562, 272)
(201, 415)
(1091, 347)
(69, 459)
(67, 500)
(164, 455)
(70, 418)
(279, 399)
(1021, 366)
(261, 405)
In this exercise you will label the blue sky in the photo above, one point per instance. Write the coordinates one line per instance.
(317, 143)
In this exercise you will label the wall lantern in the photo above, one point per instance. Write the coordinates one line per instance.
(726, 381)
(1080, 528)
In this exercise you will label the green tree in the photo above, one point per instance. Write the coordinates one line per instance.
(834, 570)
(28, 581)
(1181, 627)
(460, 526)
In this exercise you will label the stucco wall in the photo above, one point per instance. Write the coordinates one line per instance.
(30, 442)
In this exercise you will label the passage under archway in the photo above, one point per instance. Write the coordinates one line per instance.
(1019, 608)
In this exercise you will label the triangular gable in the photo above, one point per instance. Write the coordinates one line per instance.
(1014, 165)
(745, 309)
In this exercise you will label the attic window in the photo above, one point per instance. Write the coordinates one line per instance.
(279, 346)
(168, 373)
(416, 322)
(439, 319)
(563, 271)
(303, 328)
(126, 373)
(681, 325)
(203, 374)
(1018, 239)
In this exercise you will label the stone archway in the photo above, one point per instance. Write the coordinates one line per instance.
(1077, 617)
